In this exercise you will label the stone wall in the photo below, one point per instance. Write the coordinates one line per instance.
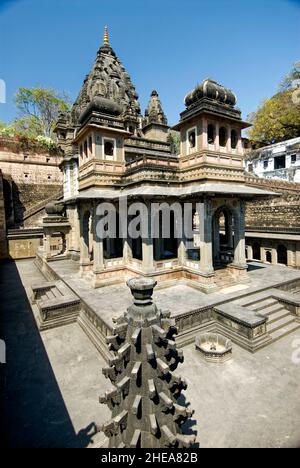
(31, 178)
(31, 175)
(281, 211)
(3, 242)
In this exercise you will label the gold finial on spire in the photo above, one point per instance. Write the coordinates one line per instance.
(105, 38)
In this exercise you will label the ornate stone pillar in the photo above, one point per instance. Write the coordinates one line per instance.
(250, 252)
(47, 246)
(127, 251)
(206, 254)
(229, 149)
(239, 239)
(217, 136)
(181, 251)
(274, 257)
(239, 144)
(84, 250)
(97, 247)
(216, 240)
(147, 247)
(204, 134)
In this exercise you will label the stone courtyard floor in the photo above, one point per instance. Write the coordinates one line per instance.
(51, 383)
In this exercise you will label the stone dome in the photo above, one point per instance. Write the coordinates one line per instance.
(54, 209)
(212, 90)
(102, 105)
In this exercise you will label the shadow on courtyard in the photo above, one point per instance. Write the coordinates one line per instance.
(33, 413)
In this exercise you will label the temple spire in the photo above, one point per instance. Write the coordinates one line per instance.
(105, 37)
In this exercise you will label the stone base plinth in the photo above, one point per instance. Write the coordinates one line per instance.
(239, 272)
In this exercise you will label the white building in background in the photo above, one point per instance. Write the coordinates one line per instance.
(278, 161)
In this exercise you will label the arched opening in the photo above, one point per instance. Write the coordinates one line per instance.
(108, 148)
(192, 139)
(268, 256)
(223, 237)
(234, 139)
(113, 246)
(223, 136)
(282, 254)
(166, 247)
(256, 251)
(58, 244)
(211, 134)
(136, 244)
(85, 151)
(90, 145)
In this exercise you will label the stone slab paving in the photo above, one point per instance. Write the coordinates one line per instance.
(111, 301)
(250, 401)
(51, 383)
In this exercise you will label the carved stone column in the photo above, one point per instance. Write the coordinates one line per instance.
(147, 247)
(97, 247)
(144, 396)
(239, 238)
(206, 253)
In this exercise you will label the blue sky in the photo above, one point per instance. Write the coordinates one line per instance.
(168, 45)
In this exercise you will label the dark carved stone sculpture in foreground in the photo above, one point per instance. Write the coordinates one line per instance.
(145, 391)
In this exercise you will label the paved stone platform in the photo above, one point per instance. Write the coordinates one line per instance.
(111, 301)
(51, 383)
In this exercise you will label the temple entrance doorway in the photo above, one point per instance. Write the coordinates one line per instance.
(166, 247)
(113, 246)
(223, 237)
(282, 255)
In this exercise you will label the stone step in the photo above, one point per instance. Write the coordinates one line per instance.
(275, 316)
(273, 308)
(56, 292)
(281, 323)
(49, 294)
(284, 331)
(248, 301)
(62, 289)
(261, 304)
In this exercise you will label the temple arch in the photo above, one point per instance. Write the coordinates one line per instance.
(256, 251)
(282, 254)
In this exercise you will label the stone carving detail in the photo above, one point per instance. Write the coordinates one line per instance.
(108, 87)
(143, 399)
(154, 112)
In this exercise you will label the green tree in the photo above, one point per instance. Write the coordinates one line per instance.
(174, 140)
(278, 118)
(289, 80)
(39, 110)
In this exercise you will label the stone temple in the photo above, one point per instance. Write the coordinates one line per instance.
(121, 162)
(115, 157)
(112, 151)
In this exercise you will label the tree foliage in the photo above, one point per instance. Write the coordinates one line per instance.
(288, 81)
(174, 140)
(278, 118)
(39, 110)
